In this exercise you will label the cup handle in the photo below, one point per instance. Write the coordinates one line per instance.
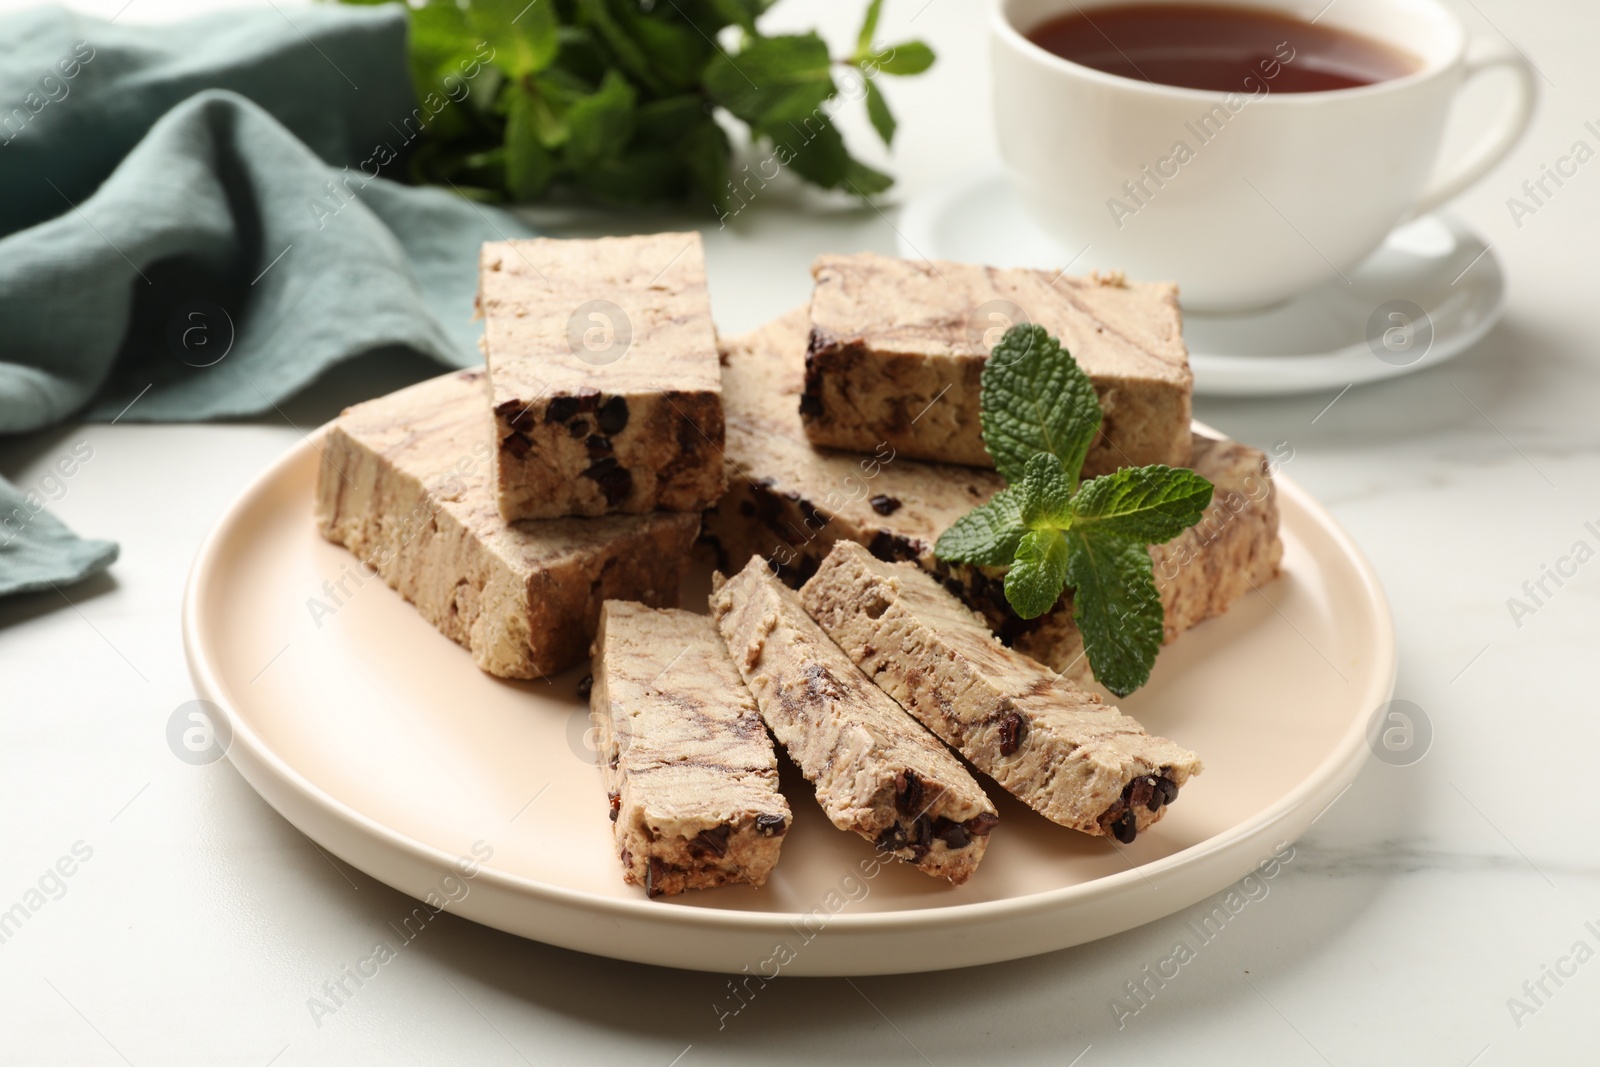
(1485, 54)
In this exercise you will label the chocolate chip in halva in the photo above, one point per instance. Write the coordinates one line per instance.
(1142, 791)
(1168, 788)
(1126, 827)
(953, 834)
(981, 824)
(921, 835)
(771, 825)
(714, 840)
(613, 416)
(908, 792)
(885, 505)
(615, 481)
(654, 877)
(560, 408)
(1013, 731)
(891, 548)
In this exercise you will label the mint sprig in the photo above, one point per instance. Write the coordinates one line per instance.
(627, 101)
(1040, 415)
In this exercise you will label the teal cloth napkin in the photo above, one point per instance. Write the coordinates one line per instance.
(191, 228)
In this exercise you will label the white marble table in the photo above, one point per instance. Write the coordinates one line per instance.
(197, 924)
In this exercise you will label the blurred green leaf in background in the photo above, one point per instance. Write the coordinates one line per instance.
(618, 101)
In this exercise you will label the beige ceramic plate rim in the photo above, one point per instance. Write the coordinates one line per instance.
(1336, 770)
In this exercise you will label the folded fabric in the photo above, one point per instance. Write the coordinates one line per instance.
(194, 222)
(36, 551)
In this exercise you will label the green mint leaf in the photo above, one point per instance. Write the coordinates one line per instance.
(772, 80)
(529, 166)
(600, 125)
(878, 112)
(596, 17)
(447, 60)
(1116, 606)
(439, 33)
(869, 26)
(705, 153)
(479, 176)
(578, 53)
(863, 180)
(1151, 505)
(637, 177)
(542, 104)
(1039, 573)
(906, 58)
(663, 122)
(987, 535)
(1046, 494)
(736, 13)
(1035, 398)
(813, 149)
(676, 50)
(522, 35)
(712, 15)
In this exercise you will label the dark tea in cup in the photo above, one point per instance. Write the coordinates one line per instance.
(1217, 47)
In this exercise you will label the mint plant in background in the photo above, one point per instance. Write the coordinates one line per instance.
(1040, 415)
(616, 101)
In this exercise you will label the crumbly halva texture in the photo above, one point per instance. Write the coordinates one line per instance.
(689, 771)
(897, 349)
(405, 484)
(604, 389)
(790, 503)
(877, 772)
(1062, 751)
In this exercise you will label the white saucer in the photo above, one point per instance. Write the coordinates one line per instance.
(1435, 272)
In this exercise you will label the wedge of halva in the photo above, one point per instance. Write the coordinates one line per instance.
(877, 772)
(689, 771)
(405, 484)
(1062, 751)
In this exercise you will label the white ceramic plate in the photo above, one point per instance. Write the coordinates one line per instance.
(381, 741)
(1442, 278)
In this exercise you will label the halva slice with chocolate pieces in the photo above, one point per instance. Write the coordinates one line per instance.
(790, 503)
(603, 369)
(405, 484)
(897, 349)
(1062, 751)
(877, 772)
(689, 770)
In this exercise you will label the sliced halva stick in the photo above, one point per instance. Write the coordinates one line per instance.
(897, 350)
(688, 767)
(404, 484)
(603, 366)
(877, 772)
(791, 503)
(1072, 758)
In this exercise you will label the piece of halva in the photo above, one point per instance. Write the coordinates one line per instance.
(689, 771)
(1062, 751)
(604, 391)
(877, 772)
(405, 484)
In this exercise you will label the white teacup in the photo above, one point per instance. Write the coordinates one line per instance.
(1285, 191)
